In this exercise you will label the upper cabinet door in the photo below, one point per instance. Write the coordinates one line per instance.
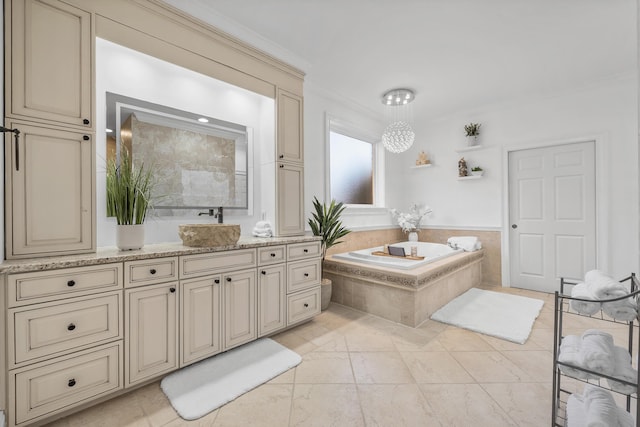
(290, 131)
(49, 62)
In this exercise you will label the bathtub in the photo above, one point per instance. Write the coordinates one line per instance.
(430, 251)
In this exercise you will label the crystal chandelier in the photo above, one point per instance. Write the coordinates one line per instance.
(398, 136)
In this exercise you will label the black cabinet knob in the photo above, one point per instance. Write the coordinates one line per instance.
(71, 327)
(228, 279)
(273, 255)
(86, 121)
(264, 272)
(85, 137)
(152, 271)
(71, 283)
(172, 290)
(281, 166)
(71, 382)
(306, 274)
(514, 226)
(281, 156)
(305, 251)
(306, 304)
(216, 280)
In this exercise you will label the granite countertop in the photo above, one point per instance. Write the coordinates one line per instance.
(107, 255)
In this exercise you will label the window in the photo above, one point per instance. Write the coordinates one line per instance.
(354, 160)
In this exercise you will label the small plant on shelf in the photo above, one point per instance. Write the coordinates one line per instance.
(477, 171)
(472, 129)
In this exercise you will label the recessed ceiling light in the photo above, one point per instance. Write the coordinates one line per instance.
(109, 130)
(203, 120)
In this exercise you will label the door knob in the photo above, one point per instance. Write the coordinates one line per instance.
(514, 226)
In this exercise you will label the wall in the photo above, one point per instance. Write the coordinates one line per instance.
(126, 72)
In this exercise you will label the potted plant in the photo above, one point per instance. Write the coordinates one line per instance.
(477, 171)
(472, 131)
(325, 222)
(128, 199)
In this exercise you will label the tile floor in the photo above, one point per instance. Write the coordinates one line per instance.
(360, 370)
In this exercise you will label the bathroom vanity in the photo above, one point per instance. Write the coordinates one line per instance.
(88, 327)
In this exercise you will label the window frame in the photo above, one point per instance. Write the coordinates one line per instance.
(346, 128)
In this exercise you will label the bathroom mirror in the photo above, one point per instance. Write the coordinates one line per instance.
(199, 162)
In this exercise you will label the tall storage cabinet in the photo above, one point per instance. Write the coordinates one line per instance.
(49, 172)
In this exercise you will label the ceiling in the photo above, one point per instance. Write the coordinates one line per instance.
(457, 55)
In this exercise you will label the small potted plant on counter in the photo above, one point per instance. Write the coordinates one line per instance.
(128, 199)
(477, 171)
(472, 131)
(325, 222)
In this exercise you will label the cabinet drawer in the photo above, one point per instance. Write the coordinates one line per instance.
(303, 275)
(42, 286)
(272, 255)
(303, 305)
(216, 262)
(306, 250)
(66, 383)
(147, 271)
(50, 329)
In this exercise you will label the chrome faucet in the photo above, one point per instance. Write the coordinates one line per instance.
(212, 212)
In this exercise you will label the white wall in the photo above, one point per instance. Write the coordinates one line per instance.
(130, 73)
(607, 112)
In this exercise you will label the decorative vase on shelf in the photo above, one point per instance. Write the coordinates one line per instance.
(473, 140)
(130, 237)
(413, 236)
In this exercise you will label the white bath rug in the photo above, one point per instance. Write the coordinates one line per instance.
(198, 389)
(505, 316)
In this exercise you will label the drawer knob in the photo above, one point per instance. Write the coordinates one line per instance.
(273, 255)
(306, 274)
(71, 327)
(172, 290)
(305, 251)
(216, 280)
(263, 272)
(85, 137)
(71, 283)
(306, 304)
(152, 271)
(228, 279)
(86, 121)
(71, 382)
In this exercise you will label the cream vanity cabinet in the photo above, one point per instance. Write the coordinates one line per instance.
(272, 289)
(64, 339)
(303, 281)
(151, 318)
(49, 171)
(290, 164)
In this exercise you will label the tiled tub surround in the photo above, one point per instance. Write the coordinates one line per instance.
(85, 328)
(491, 243)
(408, 297)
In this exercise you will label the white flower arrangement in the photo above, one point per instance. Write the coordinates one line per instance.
(411, 221)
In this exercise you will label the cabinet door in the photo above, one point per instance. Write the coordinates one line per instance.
(271, 299)
(239, 308)
(200, 326)
(49, 62)
(290, 195)
(290, 132)
(151, 344)
(50, 181)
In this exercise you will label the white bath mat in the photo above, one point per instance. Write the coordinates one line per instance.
(198, 389)
(505, 316)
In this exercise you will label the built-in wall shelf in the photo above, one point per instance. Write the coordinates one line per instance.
(464, 178)
(422, 166)
(471, 148)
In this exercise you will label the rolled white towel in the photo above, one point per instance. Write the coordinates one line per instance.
(262, 229)
(602, 410)
(604, 286)
(468, 243)
(596, 350)
(581, 290)
(576, 411)
(623, 370)
(570, 353)
(624, 309)
(625, 419)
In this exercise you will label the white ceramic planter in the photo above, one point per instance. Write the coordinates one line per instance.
(413, 236)
(129, 237)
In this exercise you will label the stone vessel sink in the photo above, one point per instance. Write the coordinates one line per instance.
(208, 235)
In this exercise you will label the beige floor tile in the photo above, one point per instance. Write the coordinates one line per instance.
(287, 377)
(367, 340)
(325, 368)
(380, 368)
(529, 405)
(435, 368)
(455, 339)
(464, 405)
(326, 405)
(122, 411)
(395, 406)
(537, 364)
(267, 405)
(491, 367)
(155, 404)
(294, 342)
(542, 337)
(504, 345)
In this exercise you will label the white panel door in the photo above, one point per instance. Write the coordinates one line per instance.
(552, 215)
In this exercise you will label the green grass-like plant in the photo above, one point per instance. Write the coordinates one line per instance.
(325, 222)
(472, 129)
(128, 190)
